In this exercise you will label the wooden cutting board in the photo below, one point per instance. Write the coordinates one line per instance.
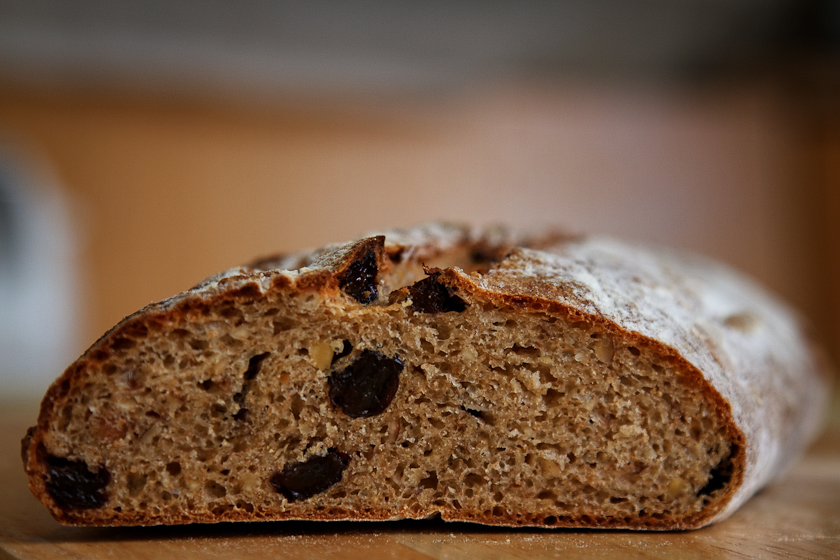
(798, 517)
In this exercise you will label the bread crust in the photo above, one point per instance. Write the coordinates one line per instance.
(739, 347)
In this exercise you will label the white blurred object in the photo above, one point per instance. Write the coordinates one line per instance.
(39, 303)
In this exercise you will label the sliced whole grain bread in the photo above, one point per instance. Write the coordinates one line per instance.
(552, 381)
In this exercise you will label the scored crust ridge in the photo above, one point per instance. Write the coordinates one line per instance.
(552, 381)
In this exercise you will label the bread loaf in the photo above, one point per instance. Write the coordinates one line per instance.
(562, 382)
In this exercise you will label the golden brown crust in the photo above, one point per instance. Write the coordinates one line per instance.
(577, 279)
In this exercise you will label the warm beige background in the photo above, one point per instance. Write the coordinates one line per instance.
(170, 190)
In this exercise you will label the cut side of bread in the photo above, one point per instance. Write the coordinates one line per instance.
(564, 382)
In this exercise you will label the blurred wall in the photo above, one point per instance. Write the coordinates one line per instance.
(172, 191)
(194, 139)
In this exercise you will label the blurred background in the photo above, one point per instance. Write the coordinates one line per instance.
(147, 145)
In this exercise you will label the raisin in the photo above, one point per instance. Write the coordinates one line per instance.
(250, 373)
(74, 486)
(254, 366)
(303, 480)
(367, 386)
(359, 279)
(719, 477)
(430, 296)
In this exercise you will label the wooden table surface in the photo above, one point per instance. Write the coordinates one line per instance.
(798, 517)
